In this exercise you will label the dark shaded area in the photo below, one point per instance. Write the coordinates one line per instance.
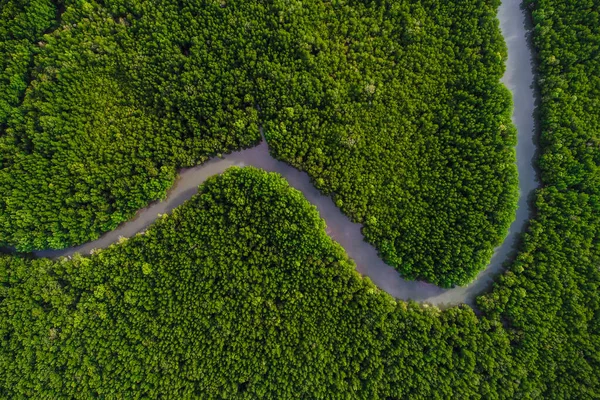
(60, 8)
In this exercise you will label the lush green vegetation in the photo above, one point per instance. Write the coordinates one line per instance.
(239, 293)
(395, 108)
(551, 296)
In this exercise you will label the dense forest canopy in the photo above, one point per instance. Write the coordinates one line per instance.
(394, 108)
(198, 307)
(240, 293)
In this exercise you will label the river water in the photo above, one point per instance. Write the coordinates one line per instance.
(518, 78)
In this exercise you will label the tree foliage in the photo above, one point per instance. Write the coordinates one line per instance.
(21, 24)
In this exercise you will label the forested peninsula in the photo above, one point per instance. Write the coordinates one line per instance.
(240, 293)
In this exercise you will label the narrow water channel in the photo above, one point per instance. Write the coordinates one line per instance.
(518, 78)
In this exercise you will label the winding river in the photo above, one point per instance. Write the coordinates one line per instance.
(518, 78)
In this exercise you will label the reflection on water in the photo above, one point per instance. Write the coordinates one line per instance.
(518, 78)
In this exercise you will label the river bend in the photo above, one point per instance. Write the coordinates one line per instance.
(519, 80)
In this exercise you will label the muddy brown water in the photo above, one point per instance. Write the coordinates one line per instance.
(519, 80)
